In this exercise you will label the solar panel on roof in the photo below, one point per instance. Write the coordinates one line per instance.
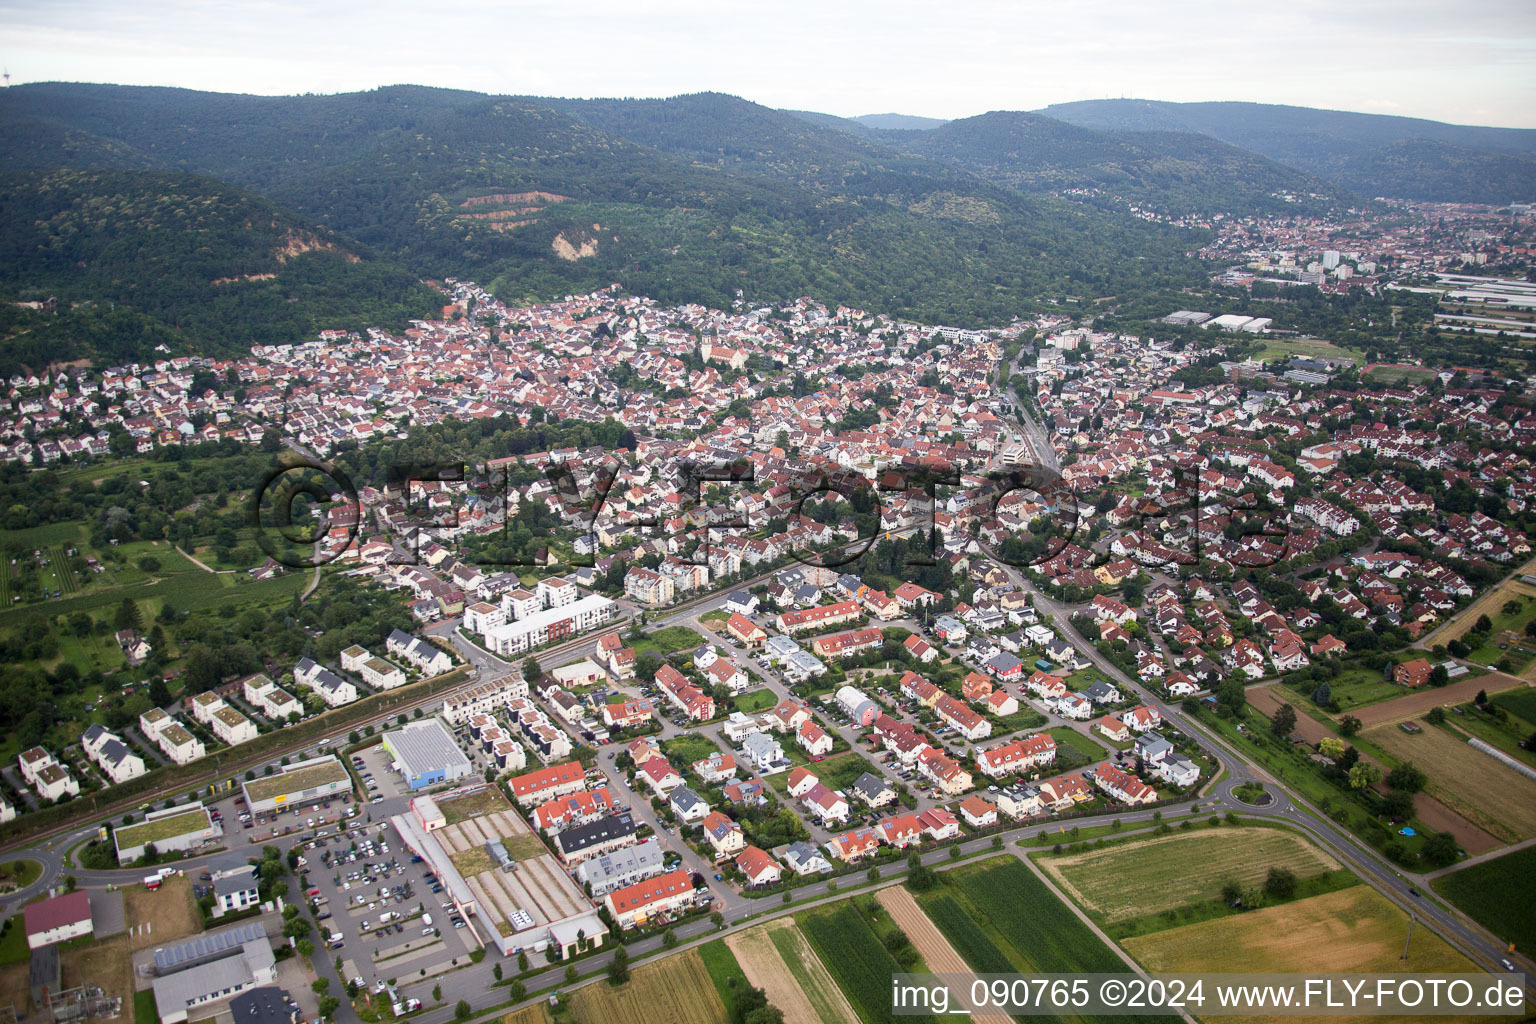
(184, 954)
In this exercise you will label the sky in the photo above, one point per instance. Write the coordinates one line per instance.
(1473, 63)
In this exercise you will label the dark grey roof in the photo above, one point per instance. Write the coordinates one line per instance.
(870, 784)
(266, 1005)
(580, 837)
(237, 880)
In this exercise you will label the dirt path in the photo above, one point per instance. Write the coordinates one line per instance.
(1308, 728)
(1420, 701)
(818, 1000)
(929, 941)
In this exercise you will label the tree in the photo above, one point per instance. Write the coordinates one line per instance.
(1483, 624)
(1364, 775)
(1231, 892)
(522, 962)
(1397, 805)
(1231, 696)
(920, 877)
(1440, 849)
(571, 974)
(669, 938)
(462, 1010)
(1331, 747)
(328, 1005)
(437, 993)
(128, 616)
(1323, 694)
(532, 672)
(320, 986)
(1284, 721)
(717, 919)
(1280, 883)
(1407, 777)
(496, 971)
(304, 948)
(1436, 716)
(517, 990)
(618, 967)
(1349, 725)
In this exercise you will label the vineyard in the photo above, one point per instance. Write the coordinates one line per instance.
(851, 950)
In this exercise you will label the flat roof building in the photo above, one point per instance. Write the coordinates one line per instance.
(296, 785)
(426, 753)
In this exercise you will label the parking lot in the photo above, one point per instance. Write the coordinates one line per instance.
(380, 907)
(379, 780)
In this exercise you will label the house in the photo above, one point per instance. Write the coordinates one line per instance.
(1122, 786)
(920, 649)
(813, 739)
(1412, 673)
(801, 780)
(1020, 801)
(659, 774)
(854, 845)
(757, 866)
(900, 830)
(629, 714)
(1140, 719)
(1019, 755)
(740, 602)
(1005, 667)
(1151, 748)
(650, 900)
(688, 805)
(763, 751)
(1178, 770)
(723, 834)
(873, 790)
(804, 859)
(1114, 728)
(748, 633)
(1002, 703)
(825, 804)
(939, 824)
(717, 767)
(978, 813)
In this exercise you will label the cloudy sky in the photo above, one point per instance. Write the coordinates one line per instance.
(1472, 63)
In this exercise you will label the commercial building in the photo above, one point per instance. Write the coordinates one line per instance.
(211, 968)
(425, 753)
(175, 829)
(523, 900)
(296, 785)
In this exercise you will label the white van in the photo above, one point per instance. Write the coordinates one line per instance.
(426, 919)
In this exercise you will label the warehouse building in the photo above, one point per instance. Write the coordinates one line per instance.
(295, 785)
(425, 754)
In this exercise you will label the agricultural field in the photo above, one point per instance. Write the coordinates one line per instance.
(776, 958)
(940, 956)
(677, 989)
(1149, 876)
(1487, 792)
(850, 947)
(1354, 930)
(1003, 920)
(1498, 895)
(1521, 703)
(535, 1014)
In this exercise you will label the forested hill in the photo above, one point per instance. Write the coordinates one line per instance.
(1168, 172)
(541, 197)
(1374, 154)
(201, 264)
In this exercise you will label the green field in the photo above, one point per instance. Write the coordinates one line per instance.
(1521, 703)
(690, 747)
(836, 772)
(161, 829)
(1073, 748)
(1306, 348)
(1498, 895)
(723, 969)
(850, 947)
(1355, 687)
(1144, 877)
(665, 641)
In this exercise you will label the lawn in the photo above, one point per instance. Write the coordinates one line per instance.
(1069, 739)
(836, 772)
(1148, 876)
(665, 641)
(144, 1009)
(753, 701)
(1486, 791)
(13, 942)
(20, 873)
(1354, 688)
(1306, 348)
(690, 747)
(1498, 895)
(677, 989)
(169, 911)
(1353, 931)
